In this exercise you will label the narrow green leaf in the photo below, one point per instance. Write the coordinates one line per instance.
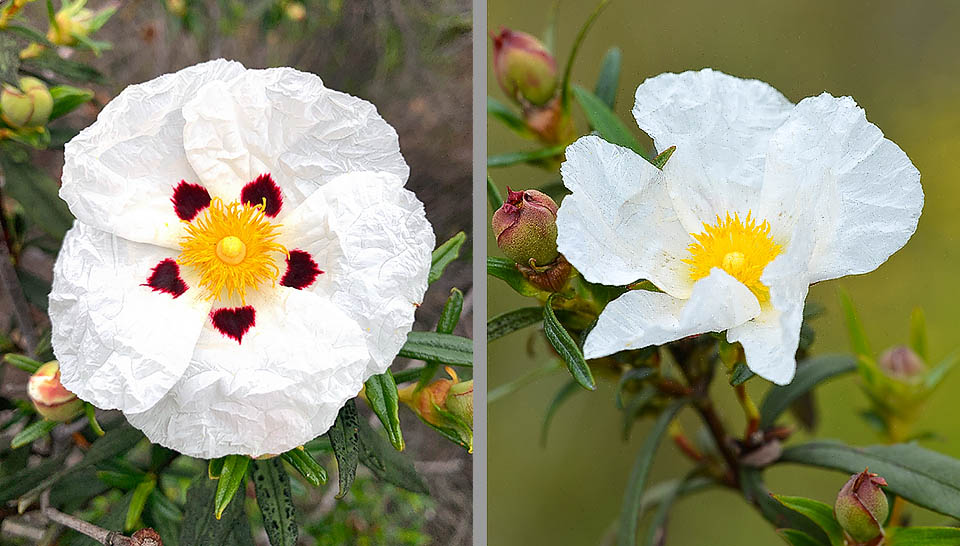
(215, 468)
(568, 70)
(231, 479)
(494, 197)
(636, 374)
(655, 494)
(35, 288)
(755, 492)
(449, 317)
(566, 347)
(609, 80)
(138, 501)
(34, 431)
(741, 374)
(306, 465)
(508, 117)
(511, 321)
(661, 159)
(66, 99)
(516, 158)
(30, 34)
(383, 399)
(923, 477)
(605, 122)
(276, 502)
(922, 536)
(164, 516)
(812, 373)
(918, 333)
(936, 375)
(92, 418)
(345, 439)
(39, 195)
(798, 538)
(387, 463)
(23, 362)
(409, 374)
(632, 497)
(558, 399)
(550, 31)
(657, 529)
(20, 483)
(506, 270)
(858, 337)
(70, 70)
(444, 254)
(200, 525)
(818, 512)
(447, 348)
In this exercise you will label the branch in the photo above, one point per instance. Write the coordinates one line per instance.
(143, 537)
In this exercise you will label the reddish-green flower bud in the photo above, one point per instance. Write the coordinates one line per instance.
(861, 507)
(28, 106)
(551, 123)
(460, 401)
(445, 404)
(526, 227)
(524, 67)
(902, 363)
(49, 396)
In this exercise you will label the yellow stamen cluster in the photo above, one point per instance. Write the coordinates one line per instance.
(742, 248)
(232, 247)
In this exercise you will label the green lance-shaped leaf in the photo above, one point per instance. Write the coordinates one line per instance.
(306, 465)
(231, 479)
(517, 158)
(511, 321)
(661, 159)
(939, 372)
(200, 524)
(35, 288)
(609, 80)
(918, 333)
(794, 537)
(558, 399)
(633, 496)
(138, 501)
(71, 70)
(449, 317)
(858, 337)
(657, 529)
(215, 468)
(508, 117)
(741, 374)
(23, 362)
(386, 463)
(818, 512)
(164, 516)
(812, 373)
(383, 399)
(345, 438)
(922, 536)
(506, 270)
(444, 254)
(38, 193)
(91, 413)
(566, 347)
(67, 99)
(33, 431)
(755, 492)
(19, 483)
(494, 197)
(275, 501)
(924, 477)
(605, 122)
(447, 348)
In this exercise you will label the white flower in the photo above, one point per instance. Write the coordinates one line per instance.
(244, 257)
(760, 199)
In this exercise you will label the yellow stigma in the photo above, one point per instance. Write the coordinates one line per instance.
(233, 249)
(742, 248)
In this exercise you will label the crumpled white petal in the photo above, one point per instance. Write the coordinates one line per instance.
(279, 389)
(285, 122)
(372, 239)
(640, 318)
(619, 224)
(119, 177)
(120, 345)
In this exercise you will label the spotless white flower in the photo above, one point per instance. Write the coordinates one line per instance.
(245, 256)
(760, 199)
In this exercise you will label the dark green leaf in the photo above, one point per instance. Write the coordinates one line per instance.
(17, 484)
(605, 122)
(112, 521)
(35, 288)
(657, 529)
(506, 270)
(632, 497)
(306, 465)
(231, 479)
(919, 475)
(533, 157)
(345, 439)
(69, 70)
(636, 374)
(276, 502)
(661, 160)
(858, 337)
(386, 463)
(809, 375)
(566, 347)
(34, 431)
(444, 254)
(754, 490)
(494, 197)
(558, 400)
(818, 512)
(922, 536)
(164, 517)
(507, 116)
(38, 193)
(66, 99)
(200, 525)
(409, 374)
(798, 538)
(511, 321)
(23, 362)
(741, 373)
(449, 317)
(138, 501)
(382, 397)
(447, 348)
(215, 468)
(609, 80)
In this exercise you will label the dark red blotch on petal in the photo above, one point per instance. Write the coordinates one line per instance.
(189, 199)
(262, 188)
(301, 271)
(234, 322)
(165, 277)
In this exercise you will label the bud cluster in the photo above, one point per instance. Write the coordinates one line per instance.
(28, 105)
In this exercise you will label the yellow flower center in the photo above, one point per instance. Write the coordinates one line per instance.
(232, 247)
(742, 248)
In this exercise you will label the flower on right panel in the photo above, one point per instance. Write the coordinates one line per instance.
(761, 199)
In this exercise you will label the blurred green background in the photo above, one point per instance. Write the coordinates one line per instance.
(901, 62)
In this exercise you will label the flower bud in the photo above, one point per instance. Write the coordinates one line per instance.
(74, 20)
(460, 401)
(551, 123)
(524, 67)
(861, 506)
(49, 396)
(445, 404)
(526, 227)
(29, 106)
(902, 363)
